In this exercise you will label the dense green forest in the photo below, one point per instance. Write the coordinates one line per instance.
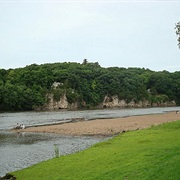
(26, 88)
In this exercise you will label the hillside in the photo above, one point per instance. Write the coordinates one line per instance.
(86, 85)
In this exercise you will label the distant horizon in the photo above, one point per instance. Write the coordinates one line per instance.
(146, 68)
(114, 33)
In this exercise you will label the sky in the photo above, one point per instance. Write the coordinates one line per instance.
(113, 33)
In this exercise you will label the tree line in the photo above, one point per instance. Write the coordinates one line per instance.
(26, 88)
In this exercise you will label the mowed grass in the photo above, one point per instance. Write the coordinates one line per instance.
(152, 154)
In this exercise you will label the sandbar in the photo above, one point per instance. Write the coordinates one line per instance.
(106, 127)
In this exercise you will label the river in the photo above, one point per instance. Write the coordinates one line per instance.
(21, 150)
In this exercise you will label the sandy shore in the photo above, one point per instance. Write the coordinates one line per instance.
(106, 126)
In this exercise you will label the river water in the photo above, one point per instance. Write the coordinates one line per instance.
(21, 150)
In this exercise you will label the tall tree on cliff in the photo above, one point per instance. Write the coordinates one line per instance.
(85, 61)
(178, 32)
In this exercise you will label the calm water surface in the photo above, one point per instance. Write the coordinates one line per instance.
(9, 120)
(20, 150)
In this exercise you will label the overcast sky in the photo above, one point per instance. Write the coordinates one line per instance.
(113, 33)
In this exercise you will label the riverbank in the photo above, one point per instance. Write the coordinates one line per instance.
(146, 154)
(106, 127)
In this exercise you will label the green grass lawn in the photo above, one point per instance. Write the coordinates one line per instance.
(144, 154)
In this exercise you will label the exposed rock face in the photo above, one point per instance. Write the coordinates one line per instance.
(114, 101)
(62, 103)
(109, 102)
(73, 106)
(55, 85)
(54, 105)
(164, 104)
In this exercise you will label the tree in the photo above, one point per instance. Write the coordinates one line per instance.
(178, 32)
(26, 88)
(85, 61)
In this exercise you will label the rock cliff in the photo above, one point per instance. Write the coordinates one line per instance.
(108, 102)
(55, 105)
(114, 101)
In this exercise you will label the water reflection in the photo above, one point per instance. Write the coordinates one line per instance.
(20, 150)
(21, 138)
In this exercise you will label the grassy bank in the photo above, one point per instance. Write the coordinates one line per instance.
(145, 154)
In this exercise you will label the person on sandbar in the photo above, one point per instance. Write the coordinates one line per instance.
(23, 126)
(17, 126)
